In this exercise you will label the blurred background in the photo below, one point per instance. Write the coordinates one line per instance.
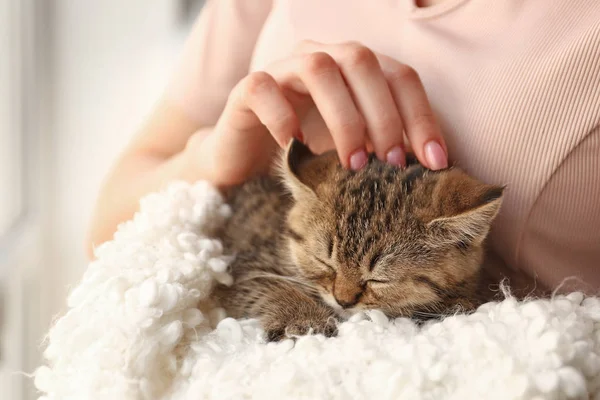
(76, 80)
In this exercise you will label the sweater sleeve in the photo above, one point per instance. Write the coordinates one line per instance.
(562, 235)
(216, 56)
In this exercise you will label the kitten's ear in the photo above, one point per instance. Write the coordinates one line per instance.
(302, 171)
(467, 208)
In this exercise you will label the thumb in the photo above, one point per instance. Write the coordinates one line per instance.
(227, 158)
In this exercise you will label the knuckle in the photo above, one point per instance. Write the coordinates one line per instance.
(404, 73)
(360, 55)
(194, 142)
(319, 63)
(353, 43)
(257, 82)
(388, 126)
(286, 123)
(304, 44)
(236, 94)
(424, 121)
(353, 125)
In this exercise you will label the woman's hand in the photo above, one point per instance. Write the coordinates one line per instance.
(344, 96)
(366, 100)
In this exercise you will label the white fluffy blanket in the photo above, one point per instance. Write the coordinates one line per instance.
(134, 331)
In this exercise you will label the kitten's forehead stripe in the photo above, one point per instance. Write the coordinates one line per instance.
(367, 246)
(370, 204)
(413, 173)
(367, 201)
(368, 189)
(374, 260)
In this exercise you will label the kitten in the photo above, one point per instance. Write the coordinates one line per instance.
(323, 242)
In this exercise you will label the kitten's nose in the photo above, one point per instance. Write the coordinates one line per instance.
(347, 290)
(347, 303)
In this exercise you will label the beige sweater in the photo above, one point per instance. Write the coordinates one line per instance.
(514, 83)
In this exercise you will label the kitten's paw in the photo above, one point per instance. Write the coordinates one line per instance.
(279, 330)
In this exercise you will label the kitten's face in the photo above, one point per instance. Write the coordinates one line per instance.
(406, 242)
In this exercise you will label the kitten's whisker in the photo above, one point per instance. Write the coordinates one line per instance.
(427, 314)
(436, 307)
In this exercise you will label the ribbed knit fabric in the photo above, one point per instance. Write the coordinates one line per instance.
(514, 83)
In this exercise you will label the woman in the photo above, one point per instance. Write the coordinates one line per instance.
(509, 90)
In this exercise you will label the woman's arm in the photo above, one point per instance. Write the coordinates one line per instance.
(193, 101)
(154, 157)
(364, 98)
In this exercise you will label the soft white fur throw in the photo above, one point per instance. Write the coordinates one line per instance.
(134, 331)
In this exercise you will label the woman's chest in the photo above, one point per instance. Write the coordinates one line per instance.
(515, 84)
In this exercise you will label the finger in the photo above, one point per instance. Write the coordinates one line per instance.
(360, 67)
(318, 75)
(371, 93)
(209, 151)
(422, 129)
(258, 98)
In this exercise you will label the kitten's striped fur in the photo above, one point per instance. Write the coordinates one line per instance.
(322, 242)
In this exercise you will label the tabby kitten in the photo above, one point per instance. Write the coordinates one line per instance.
(323, 242)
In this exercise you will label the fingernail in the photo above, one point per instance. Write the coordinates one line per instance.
(396, 156)
(436, 156)
(358, 159)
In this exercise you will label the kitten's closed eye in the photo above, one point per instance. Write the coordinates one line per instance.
(325, 264)
(381, 281)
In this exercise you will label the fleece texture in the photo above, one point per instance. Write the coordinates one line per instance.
(139, 326)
